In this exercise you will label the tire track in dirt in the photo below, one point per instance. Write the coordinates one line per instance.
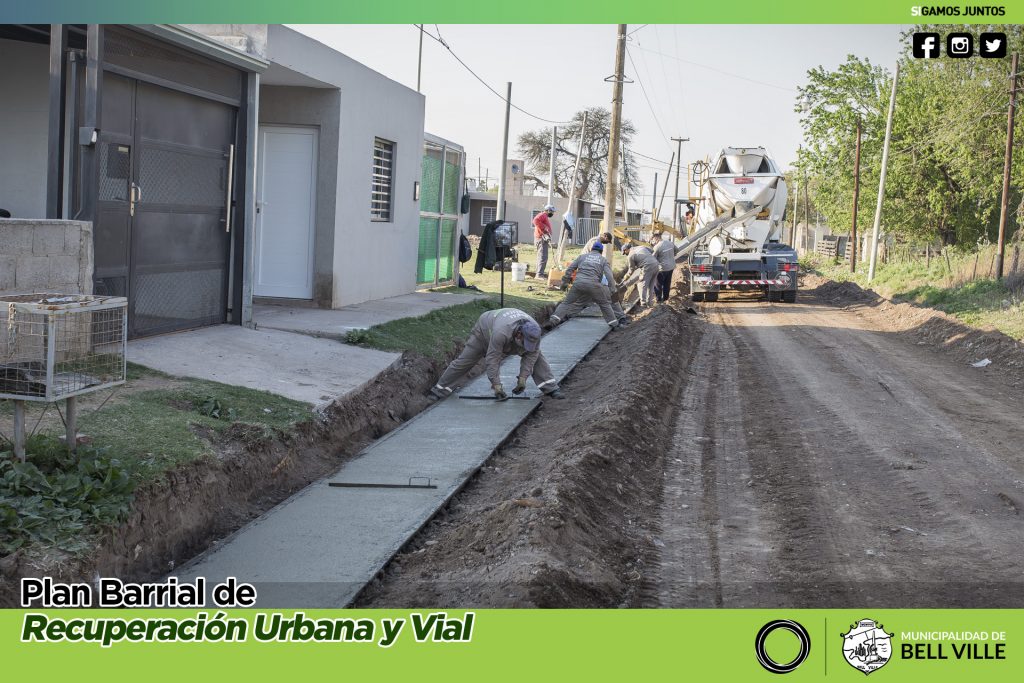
(712, 526)
(867, 486)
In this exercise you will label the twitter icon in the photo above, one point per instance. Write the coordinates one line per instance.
(993, 45)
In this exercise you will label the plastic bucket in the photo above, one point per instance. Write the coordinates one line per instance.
(519, 272)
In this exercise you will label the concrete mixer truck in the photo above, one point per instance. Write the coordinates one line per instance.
(744, 252)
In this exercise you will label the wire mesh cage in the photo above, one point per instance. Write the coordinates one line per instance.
(57, 346)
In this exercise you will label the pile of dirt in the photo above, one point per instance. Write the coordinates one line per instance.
(925, 326)
(560, 515)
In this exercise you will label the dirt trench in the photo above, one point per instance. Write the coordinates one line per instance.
(193, 506)
(561, 516)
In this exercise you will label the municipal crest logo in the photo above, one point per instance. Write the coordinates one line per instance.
(866, 646)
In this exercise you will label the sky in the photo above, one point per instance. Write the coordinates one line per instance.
(720, 86)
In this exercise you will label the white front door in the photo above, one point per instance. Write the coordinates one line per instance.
(285, 212)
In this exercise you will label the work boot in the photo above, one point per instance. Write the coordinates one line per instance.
(440, 392)
(551, 323)
(557, 393)
(625, 320)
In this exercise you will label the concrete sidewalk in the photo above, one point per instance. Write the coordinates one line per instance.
(314, 371)
(322, 545)
(336, 323)
(285, 354)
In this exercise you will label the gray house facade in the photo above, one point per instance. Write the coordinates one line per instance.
(212, 164)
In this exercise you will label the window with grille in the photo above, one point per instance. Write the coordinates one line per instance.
(383, 180)
(488, 214)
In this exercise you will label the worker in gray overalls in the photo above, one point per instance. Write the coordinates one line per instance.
(594, 281)
(643, 259)
(495, 336)
(606, 238)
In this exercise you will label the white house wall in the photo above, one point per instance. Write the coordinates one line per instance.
(372, 260)
(24, 112)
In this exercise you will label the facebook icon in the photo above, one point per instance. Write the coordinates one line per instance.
(926, 45)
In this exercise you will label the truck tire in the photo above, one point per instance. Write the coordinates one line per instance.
(711, 296)
(789, 296)
(697, 296)
(774, 297)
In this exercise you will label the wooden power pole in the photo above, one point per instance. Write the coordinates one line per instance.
(1007, 162)
(856, 198)
(614, 144)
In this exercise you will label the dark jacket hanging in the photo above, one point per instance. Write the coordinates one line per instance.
(486, 255)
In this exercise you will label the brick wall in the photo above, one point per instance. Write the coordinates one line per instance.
(45, 256)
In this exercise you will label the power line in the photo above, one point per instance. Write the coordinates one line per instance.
(644, 91)
(501, 97)
(641, 26)
(715, 69)
(660, 161)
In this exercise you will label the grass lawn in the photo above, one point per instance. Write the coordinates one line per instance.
(435, 334)
(148, 426)
(982, 303)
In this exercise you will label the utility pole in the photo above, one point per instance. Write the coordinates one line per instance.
(551, 166)
(654, 199)
(796, 204)
(675, 205)
(1004, 204)
(504, 157)
(807, 204)
(419, 62)
(562, 236)
(611, 188)
(622, 187)
(856, 198)
(664, 188)
(501, 188)
(881, 179)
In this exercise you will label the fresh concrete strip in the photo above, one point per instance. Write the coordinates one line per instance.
(321, 546)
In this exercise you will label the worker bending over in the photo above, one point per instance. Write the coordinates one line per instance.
(643, 259)
(592, 285)
(495, 336)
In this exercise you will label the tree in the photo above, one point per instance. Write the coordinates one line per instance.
(945, 163)
(535, 148)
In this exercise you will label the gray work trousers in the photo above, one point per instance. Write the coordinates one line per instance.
(616, 305)
(542, 255)
(581, 295)
(647, 284)
(476, 348)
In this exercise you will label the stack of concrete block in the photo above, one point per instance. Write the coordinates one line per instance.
(45, 256)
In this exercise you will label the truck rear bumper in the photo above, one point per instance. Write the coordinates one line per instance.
(778, 282)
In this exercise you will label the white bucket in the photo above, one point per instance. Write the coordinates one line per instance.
(518, 272)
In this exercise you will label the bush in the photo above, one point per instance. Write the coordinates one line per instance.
(58, 498)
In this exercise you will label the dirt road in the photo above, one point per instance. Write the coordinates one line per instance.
(836, 452)
(819, 460)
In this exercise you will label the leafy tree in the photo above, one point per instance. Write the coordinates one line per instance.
(535, 148)
(946, 156)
